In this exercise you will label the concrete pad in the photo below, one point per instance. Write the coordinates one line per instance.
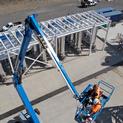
(61, 108)
(48, 81)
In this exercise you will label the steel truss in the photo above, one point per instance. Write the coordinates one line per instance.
(57, 31)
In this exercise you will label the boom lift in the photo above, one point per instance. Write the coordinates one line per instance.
(32, 24)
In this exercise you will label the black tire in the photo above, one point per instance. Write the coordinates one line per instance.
(113, 24)
(37, 111)
(82, 4)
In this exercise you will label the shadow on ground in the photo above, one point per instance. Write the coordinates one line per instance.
(111, 115)
(15, 120)
(108, 115)
(115, 54)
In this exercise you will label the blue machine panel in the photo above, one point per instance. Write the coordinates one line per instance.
(114, 15)
(105, 10)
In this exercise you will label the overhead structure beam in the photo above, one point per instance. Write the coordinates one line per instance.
(54, 29)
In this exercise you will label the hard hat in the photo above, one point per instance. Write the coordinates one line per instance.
(96, 101)
(95, 86)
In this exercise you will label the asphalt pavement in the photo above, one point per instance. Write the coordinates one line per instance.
(47, 9)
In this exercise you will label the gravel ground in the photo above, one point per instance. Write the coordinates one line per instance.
(46, 9)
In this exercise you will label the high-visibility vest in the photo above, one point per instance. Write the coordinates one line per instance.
(95, 108)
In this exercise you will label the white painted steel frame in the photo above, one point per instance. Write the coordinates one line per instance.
(7, 52)
(54, 29)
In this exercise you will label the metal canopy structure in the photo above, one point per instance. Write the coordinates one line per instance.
(10, 42)
(66, 25)
(55, 31)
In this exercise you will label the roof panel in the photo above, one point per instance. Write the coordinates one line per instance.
(13, 40)
(1, 47)
(6, 42)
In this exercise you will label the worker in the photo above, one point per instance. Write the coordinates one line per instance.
(96, 106)
(94, 93)
(94, 109)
